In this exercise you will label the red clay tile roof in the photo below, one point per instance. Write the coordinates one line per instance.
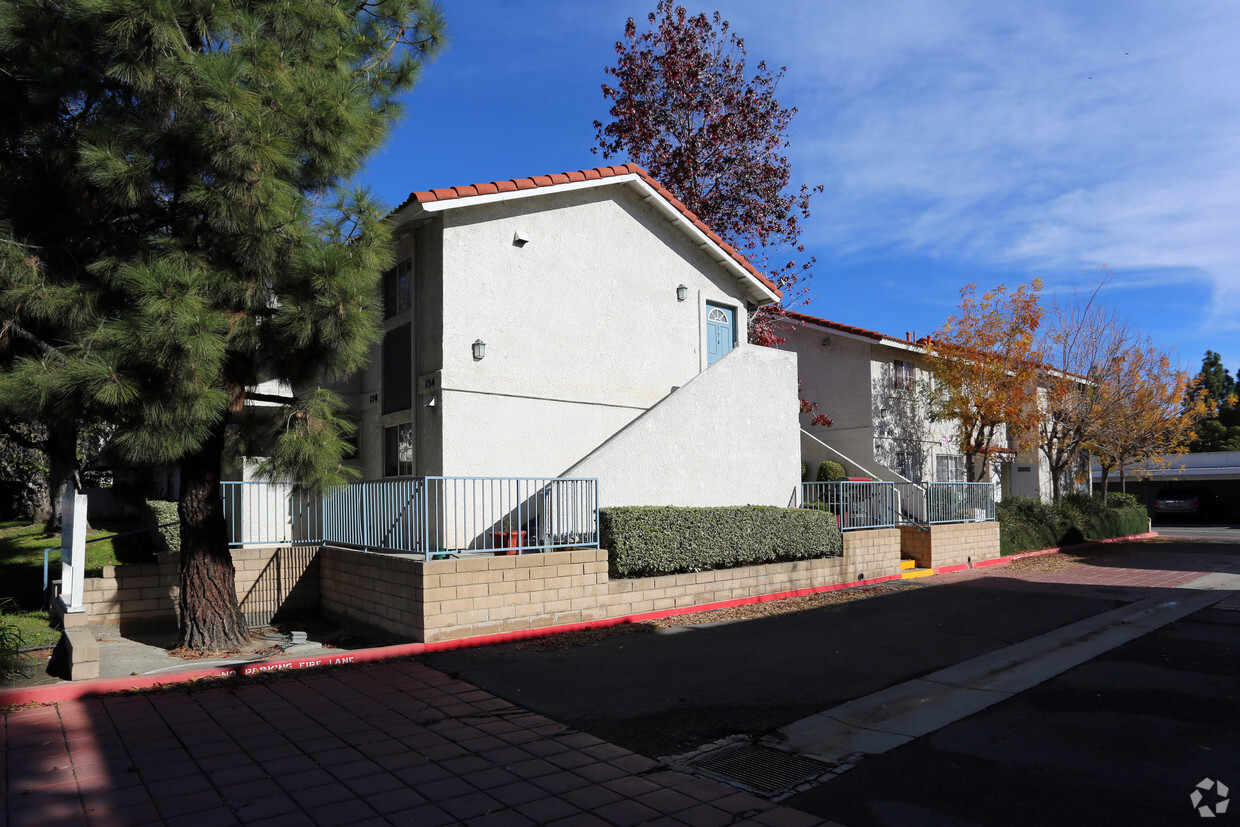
(599, 173)
(843, 328)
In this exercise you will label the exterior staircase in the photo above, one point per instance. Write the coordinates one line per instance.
(909, 570)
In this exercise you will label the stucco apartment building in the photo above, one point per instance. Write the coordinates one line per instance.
(580, 324)
(869, 384)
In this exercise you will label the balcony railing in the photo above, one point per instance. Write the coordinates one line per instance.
(858, 505)
(429, 516)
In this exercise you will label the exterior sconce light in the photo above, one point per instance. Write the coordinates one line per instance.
(682, 293)
(480, 349)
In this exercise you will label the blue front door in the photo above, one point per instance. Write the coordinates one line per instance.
(720, 332)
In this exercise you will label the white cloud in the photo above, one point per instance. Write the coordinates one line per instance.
(1048, 135)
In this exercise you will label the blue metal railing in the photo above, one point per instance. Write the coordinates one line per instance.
(430, 516)
(858, 505)
(960, 502)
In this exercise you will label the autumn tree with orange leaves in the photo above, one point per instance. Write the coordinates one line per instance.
(1154, 417)
(985, 365)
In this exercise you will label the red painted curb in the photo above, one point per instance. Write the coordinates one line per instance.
(56, 693)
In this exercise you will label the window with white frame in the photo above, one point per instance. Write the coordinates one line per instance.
(398, 450)
(902, 375)
(949, 468)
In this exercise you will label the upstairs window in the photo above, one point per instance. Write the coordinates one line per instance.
(398, 369)
(902, 375)
(398, 289)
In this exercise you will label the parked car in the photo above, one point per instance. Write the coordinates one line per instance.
(1184, 502)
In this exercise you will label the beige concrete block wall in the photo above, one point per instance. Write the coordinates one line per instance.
(915, 545)
(950, 544)
(271, 581)
(384, 591)
(133, 594)
(490, 595)
(277, 583)
(872, 553)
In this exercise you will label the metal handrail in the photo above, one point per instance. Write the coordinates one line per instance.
(860, 505)
(430, 516)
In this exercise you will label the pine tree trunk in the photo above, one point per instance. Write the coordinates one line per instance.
(211, 618)
(61, 447)
(38, 497)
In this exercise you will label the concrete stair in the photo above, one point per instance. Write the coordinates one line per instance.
(909, 570)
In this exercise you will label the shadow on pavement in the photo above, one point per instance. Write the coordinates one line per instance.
(672, 691)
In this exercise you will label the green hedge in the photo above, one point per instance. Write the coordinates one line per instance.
(158, 513)
(1026, 524)
(644, 541)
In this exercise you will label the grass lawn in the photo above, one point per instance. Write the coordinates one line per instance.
(21, 570)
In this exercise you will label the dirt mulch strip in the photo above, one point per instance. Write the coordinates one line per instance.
(750, 611)
(1051, 563)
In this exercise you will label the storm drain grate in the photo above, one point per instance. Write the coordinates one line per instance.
(762, 769)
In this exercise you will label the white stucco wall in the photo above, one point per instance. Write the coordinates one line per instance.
(837, 377)
(902, 417)
(582, 326)
(728, 437)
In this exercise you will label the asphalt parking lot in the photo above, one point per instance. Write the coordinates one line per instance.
(666, 693)
(1120, 739)
(1123, 739)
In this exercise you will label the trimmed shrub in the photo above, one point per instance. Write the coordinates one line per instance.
(830, 471)
(1027, 524)
(1120, 499)
(644, 541)
(167, 538)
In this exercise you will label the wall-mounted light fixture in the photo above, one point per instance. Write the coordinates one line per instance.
(519, 239)
(682, 293)
(480, 349)
(431, 401)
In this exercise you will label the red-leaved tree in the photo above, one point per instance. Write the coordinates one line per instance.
(684, 107)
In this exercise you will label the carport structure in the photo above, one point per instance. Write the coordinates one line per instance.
(1212, 472)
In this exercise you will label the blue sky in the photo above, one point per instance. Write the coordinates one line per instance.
(957, 141)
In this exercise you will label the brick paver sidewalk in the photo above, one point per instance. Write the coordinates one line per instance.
(1133, 575)
(394, 742)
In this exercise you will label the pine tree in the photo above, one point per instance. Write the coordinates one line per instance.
(175, 179)
(1215, 390)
